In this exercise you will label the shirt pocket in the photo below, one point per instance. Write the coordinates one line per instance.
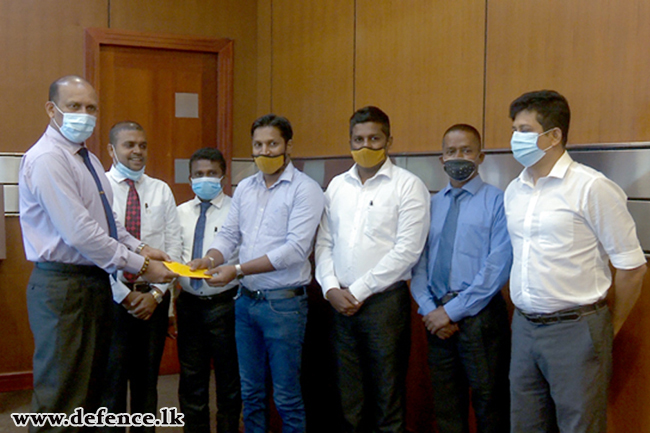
(556, 229)
(153, 224)
(381, 222)
(473, 240)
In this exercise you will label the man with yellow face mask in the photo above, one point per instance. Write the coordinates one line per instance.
(371, 235)
(273, 218)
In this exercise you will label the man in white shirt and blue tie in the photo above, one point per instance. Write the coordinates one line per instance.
(206, 314)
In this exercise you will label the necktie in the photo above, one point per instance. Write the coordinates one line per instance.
(442, 267)
(132, 219)
(197, 246)
(112, 228)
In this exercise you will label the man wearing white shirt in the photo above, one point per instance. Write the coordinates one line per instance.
(206, 315)
(147, 208)
(372, 233)
(566, 222)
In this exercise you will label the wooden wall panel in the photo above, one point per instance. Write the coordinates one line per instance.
(422, 62)
(312, 72)
(233, 19)
(594, 52)
(40, 41)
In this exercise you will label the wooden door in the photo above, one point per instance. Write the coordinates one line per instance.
(141, 77)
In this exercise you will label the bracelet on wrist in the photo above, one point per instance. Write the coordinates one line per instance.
(144, 267)
(211, 261)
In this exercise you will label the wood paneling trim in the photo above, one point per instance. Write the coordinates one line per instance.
(16, 381)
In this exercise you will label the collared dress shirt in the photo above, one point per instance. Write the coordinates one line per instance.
(215, 217)
(61, 212)
(159, 224)
(278, 222)
(371, 234)
(563, 230)
(482, 255)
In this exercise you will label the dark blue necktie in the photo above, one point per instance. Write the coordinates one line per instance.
(197, 246)
(442, 267)
(112, 228)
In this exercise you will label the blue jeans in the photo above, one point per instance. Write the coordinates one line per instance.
(270, 335)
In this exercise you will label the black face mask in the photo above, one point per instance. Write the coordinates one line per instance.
(460, 169)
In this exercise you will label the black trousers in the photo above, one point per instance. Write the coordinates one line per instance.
(134, 361)
(372, 349)
(69, 314)
(206, 333)
(476, 357)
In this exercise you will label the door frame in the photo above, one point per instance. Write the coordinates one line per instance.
(94, 38)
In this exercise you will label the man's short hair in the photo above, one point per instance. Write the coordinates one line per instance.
(282, 123)
(127, 125)
(371, 114)
(463, 127)
(211, 154)
(552, 110)
(53, 94)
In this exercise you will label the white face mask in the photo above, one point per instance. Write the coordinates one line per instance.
(76, 127)
(524, 147)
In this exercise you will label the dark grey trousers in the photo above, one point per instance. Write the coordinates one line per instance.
(560, 373)
(69, 314)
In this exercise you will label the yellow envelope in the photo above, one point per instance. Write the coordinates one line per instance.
(184, 270)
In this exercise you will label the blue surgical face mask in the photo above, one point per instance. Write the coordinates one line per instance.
(206, 188)
(524, 147)
(127, 172)
(76, 127)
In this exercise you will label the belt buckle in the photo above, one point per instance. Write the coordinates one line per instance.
(258, 295)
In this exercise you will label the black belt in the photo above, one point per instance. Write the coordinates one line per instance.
(70, 268)
(568, 315)
(138, 286)
(219, 298)
(272, 294)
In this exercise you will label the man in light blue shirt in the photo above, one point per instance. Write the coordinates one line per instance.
(273, 218)
(457, 283)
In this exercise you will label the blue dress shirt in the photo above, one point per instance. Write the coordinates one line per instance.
(279, 222)
(482, 253)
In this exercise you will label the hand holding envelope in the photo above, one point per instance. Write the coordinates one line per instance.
(185, 271)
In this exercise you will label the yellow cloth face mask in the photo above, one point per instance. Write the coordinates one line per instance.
(269, 164)
(367, 157)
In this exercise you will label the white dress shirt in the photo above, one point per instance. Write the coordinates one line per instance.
(371, 234)
(159, 225)
(563, 230)
(215, 217)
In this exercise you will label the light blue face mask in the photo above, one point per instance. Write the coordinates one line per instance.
(76, 127)
(524, 147)
(127, 172)
(206, 188)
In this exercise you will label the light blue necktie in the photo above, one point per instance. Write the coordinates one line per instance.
(442, 267)
(197, 246)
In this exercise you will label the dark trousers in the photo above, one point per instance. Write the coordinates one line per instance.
(206, 333)
(134, 361)
(372, 349)
(476, 357)
(559, 374)
(69, 314)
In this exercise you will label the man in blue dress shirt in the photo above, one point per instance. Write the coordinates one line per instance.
(273, 218)
(457, 286)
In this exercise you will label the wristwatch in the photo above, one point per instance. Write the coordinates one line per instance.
(140, 248)
(240, 273)
(156, 295)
